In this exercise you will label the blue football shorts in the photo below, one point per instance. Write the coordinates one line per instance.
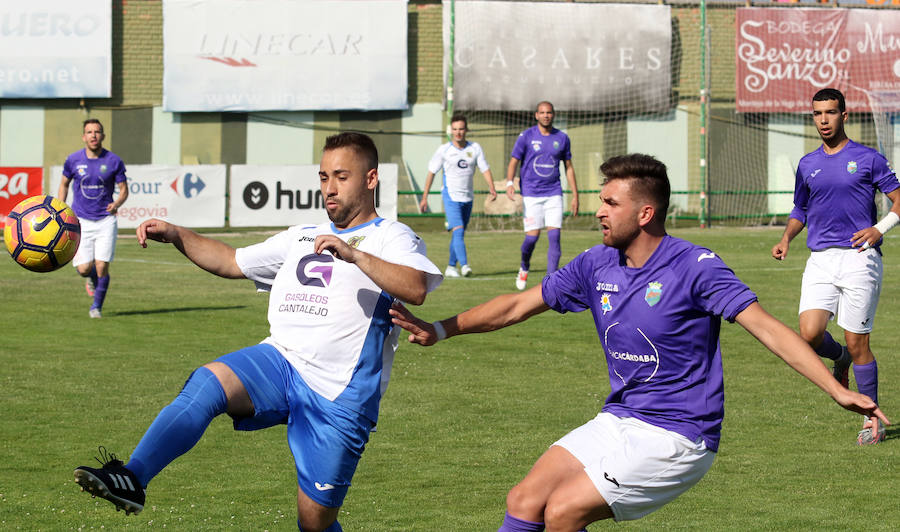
(326, 439)
(457, 213)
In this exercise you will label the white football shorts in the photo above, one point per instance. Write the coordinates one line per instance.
(637, 467)
(541, 212)
(846, 282)
(98, 240)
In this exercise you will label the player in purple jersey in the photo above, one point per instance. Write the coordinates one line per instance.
(540, 150)
(657, 302)
(834, 197)
(94, 173)
(324, 367)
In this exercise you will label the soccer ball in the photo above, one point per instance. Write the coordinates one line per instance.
(42, 233)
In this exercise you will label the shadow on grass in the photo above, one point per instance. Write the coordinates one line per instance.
(167, 310)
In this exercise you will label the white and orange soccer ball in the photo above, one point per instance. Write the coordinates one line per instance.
(42, 233)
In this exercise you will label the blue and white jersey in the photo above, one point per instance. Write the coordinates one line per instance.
(459, 167)
(327, 317)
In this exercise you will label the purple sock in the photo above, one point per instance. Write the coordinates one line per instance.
(554, 251)
(527, 250)
(93, 276)
(100, 292)
(829, 348)
(867, 379)
(514, 524)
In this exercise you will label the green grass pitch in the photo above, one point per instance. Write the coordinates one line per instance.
(461, 423)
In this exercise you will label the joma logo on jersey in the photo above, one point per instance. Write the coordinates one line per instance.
(319, 275)
(653, 293)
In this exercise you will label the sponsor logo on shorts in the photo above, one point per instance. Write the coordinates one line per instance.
(611, 479)
(324, 487)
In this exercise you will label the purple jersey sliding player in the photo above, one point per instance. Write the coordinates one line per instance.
(657, 303)
(834, 197)
(94, 173)
(540, 149)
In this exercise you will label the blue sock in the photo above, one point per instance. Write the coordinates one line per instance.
(527, 250)
(334, 527)
(829, 348)
(554, 251)
(458, 246)
(100, 291)
(453, 258)
(514, 524)
(867, 379)
(178, 427)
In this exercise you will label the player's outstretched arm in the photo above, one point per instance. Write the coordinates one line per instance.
(787, 345)
(497, 313)
(780, 250)
(212, 255)
(406, 284)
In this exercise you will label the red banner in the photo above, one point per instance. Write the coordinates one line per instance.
(16, 184)
(785, 55)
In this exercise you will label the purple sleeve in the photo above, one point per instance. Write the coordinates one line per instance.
(801, 197)
(563, 290)
(566, 154)
(518, 150)
(718, 290)
(120, 172)
(67, 168)
(883, 174)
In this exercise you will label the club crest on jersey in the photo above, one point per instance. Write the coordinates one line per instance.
(536, 146)
(354, 241)
(469, 154)
(605, 304)
(555, 144)
(102, 168)
(851, 167)
(653, 293)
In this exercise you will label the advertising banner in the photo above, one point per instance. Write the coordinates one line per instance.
(192, 196)
(282, 196)
(580, 56)
(255, 55)
(784, 56)
(55, 49)
(16, 184)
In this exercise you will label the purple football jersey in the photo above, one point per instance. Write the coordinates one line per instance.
(540, 156)
(659, 326)
(93, 182)
(834, 195)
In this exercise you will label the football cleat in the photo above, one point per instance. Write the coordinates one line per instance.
(522, 279)
(841, 369)
(113, 481)
(451, 272)
(89, 287)
(465, 271)
(869, 437)
(95, 313)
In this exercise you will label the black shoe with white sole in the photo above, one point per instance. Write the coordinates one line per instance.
(113, 481)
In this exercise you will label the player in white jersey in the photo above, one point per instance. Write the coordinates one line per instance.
(324, 367)
(458, 160)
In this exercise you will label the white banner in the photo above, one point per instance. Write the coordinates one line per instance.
(580, 56)
(282, 196)
(254, 55)
(192, 196)
(55, 49)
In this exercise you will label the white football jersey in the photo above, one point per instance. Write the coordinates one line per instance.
(326, 316)
(459, 167)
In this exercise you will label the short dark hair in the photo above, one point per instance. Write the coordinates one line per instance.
(459, 117)
(542, 102)
(647, 175)
(91, 121)
(831, 94)
(361, 143)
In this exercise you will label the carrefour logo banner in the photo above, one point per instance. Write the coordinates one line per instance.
(192, 196)
(254, 55)
(784, 56)
(580, 56)
(55, 49)
(282, 196)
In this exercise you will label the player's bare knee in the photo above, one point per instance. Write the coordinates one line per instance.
(313, 517)
(520, 501)
(239, 403)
